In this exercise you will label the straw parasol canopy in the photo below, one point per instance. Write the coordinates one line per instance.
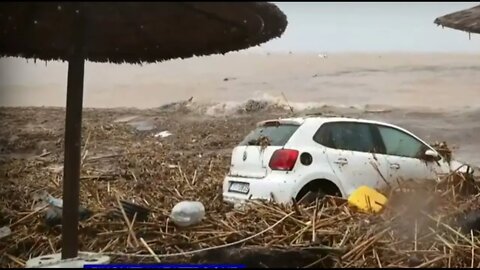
(135, 32)
(467, 20)
(123, 32)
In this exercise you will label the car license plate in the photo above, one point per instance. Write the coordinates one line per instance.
(239, 187)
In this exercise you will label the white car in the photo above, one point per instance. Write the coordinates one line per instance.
(288, 158)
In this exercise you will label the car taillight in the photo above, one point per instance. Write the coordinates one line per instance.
(283, 160)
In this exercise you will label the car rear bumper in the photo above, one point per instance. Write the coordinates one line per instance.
(278, 188)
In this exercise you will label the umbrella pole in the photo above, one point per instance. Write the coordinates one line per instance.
(72, 159)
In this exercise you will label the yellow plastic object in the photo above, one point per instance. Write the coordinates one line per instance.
(367, 199)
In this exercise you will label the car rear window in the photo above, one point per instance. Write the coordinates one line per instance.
(277, 134)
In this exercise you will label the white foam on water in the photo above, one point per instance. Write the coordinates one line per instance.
(223, 108)
(269, 101)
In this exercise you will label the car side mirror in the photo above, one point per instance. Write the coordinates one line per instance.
(431, 155)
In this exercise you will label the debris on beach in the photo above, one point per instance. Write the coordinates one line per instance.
(180, 106)
(377, 110)
(126, 119)
(252, 106)
(56, 168)
(469, 222)
(187, 213)
(132, 211)
(145, 125)
(367, 199)
(53, 215)
(229, 79)
(443, 149)
(5, 231)
(53, 208)
(420, 225)
(262, 141)
(163, 134)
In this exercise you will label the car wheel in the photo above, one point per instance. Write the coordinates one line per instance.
(312, 196)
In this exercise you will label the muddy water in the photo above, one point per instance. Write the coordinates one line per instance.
(433, 95)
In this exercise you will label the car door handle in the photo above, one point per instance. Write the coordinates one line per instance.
(341, 161)
(395, 166)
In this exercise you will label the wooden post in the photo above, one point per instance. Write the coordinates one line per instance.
(73, 141)
(71, 171)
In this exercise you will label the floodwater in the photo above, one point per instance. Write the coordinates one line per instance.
(432, 95)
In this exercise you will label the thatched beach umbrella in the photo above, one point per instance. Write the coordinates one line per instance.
(467, 20)
(123, 33)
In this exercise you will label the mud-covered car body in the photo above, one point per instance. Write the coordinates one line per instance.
(285, 158)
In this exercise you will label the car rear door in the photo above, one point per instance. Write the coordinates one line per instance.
(351, 151)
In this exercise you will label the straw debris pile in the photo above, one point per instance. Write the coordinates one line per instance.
(419, 227)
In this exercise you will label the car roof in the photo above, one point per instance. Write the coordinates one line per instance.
(326, 118)
(319, 120)
(346, 119)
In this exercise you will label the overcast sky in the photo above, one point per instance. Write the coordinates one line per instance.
(371, 26)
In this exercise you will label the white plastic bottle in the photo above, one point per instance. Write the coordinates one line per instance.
(187, 213)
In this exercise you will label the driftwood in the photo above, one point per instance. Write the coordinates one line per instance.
(420, 225)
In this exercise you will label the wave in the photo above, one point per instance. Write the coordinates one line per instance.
(264, 102)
